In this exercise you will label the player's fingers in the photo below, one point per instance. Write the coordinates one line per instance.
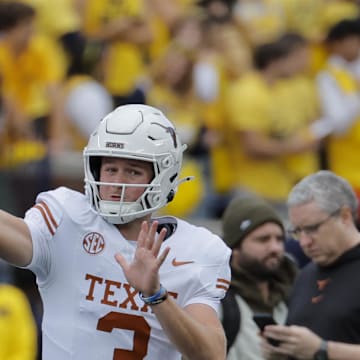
(121, 261)
(141, 241)
(151, 235)
(163, 256)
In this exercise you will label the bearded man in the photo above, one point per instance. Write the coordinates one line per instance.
(262, 273)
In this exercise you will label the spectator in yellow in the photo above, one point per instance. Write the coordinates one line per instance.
(313, 18)
(264, 137)
(18, 333)
(222, 57)
(32, 111)
(260, 20)
(61, 22)
(172, 91)
(164, 17)
(30, 76)
(125, 32)
(300, 104)
(172, 81)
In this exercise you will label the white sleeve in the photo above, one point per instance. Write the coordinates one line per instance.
(340, 109)
(321, 128)
(43, 219)
(214, 281)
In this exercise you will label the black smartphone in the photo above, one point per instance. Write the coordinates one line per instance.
(263, 319)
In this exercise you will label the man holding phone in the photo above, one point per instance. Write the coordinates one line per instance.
(262, 274)
(323, 320)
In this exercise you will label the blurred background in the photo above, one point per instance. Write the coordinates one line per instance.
(263, 92)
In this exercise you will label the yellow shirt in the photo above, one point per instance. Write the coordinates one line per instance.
(336, 10)
(162, 37)
(25, 78)
(56, 17)
(124, 62)
(312, 18)
(299, 107)
(183, 111)
(215, 120)
(15, 153)
(18, 334)
(251, 106)
(160, 25)
(262, 20)
(303, 16)
(343, 150)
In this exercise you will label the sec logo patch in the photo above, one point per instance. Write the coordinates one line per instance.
(94, 243)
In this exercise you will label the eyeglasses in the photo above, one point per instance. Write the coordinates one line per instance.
(310, 229)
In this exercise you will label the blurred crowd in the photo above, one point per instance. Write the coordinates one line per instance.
(257, 89)
(264, 92)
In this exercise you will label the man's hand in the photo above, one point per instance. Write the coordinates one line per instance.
(267, 350)
(143, 272)
(297, 341)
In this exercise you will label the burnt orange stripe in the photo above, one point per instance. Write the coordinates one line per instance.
(45, 218)
(222, 287)
(49, 214)
(223, 281)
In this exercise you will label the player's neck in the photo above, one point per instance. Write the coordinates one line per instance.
(130, 231)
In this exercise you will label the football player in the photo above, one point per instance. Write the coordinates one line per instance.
(116, 282)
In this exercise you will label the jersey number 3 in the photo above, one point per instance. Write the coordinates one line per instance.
(115, 320)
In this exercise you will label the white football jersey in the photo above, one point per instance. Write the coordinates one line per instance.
(90, 310)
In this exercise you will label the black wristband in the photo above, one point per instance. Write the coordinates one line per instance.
(322, 353)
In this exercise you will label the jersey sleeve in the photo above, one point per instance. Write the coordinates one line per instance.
(214, 276)
(43, 220)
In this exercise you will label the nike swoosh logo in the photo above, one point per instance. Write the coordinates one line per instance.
(180, 263)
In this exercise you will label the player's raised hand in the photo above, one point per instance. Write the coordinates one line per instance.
(143, 272)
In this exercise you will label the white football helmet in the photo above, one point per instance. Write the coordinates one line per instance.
(137, 132)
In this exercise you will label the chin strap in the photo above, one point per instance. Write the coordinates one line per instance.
(112, 207)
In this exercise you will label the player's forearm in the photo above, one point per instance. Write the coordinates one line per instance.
(193, 339)
(15, 240)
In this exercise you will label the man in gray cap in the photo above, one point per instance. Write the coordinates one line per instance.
(261, 273)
